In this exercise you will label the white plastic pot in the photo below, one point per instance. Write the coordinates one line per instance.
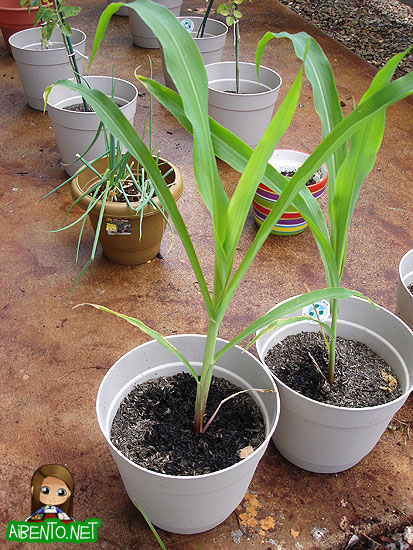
(404, 306)
(142, 35)
(185, 504)
(248, 113)
(325, 438)
(75, 130)
(211, 45)
(39, 68)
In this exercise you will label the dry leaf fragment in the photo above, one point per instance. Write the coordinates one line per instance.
(294, 533)
(245, 452)
(267, 523)
(343, 524)
(390, 380)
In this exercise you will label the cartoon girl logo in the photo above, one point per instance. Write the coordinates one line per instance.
(52, 490)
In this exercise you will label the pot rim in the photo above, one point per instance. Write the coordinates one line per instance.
(260, 94)
(37, 30)
(197, 18)
(16, 8)
(356, 410)
(201, 476)
(124, 210)
(93, 78)
(403, 275)
(324, 165)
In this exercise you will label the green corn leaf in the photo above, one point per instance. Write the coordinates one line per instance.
(150, 332)
(118, 125)
(182, 57)
(363, 149)
(320, 75)
(253, 172)
(279, 323)
(286, 308)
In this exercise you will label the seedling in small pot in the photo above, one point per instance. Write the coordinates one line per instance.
(52, 14)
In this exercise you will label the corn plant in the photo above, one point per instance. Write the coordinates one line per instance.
(228, 215)
(350, 163)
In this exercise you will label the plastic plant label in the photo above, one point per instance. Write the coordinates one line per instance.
(188, 24)
(323, 311)
(118, 226)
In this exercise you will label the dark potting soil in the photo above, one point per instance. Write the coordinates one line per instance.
(153, 426)
(79, 107)
(290, 174)
(128, 187)
(410, 289)
(362, 378)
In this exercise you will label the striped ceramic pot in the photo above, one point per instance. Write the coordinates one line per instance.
(291, 222)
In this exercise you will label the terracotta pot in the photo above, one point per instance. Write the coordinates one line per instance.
(123, 239)
(14, 18)
(291, 222)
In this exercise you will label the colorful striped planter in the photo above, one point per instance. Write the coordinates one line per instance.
(291, 222)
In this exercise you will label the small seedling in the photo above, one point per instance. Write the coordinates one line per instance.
(230, 10)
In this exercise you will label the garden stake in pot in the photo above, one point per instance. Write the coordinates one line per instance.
(228, 216)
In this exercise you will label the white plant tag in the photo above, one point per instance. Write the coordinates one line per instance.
(188, 24)
(323, 310)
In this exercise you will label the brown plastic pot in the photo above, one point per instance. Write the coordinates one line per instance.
(137, 245)
(14, 18)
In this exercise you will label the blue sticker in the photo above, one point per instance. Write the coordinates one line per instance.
(188, 24)
(323, 310)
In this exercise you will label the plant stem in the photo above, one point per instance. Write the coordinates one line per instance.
(69, 48)
(331, 362)
(237, 38)
(201, 30)
(206, 376)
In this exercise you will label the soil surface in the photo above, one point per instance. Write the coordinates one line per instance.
(410, 289)
(79, 108)
(362, 378)
(373, 29)
(290, 174)
(153, 426)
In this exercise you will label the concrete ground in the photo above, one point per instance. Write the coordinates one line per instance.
(54, 357)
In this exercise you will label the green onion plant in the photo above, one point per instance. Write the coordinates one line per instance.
(109, 184)
(228, 215)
